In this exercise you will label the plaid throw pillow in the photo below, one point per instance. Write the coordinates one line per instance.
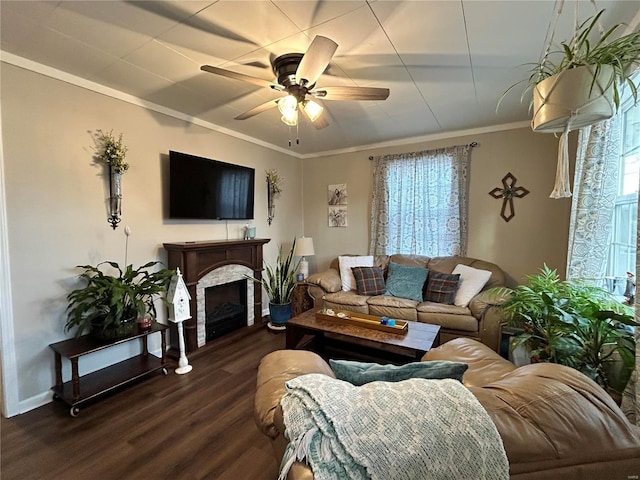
(442, 287)
(369, 280)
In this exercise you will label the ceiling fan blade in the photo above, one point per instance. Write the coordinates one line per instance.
(237, 76)
(315, 60)
(320, 122)
(259, 109)
(351, 93)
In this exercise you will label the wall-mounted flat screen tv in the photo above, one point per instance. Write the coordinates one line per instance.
(201, 188)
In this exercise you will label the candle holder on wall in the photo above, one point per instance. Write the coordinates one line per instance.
(115, 198)
(112, 152)
(271, 207)
(273, 191)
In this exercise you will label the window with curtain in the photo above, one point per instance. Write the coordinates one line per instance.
(622, 251)
(419, 203)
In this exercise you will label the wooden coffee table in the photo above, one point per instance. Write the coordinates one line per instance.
(419, 339)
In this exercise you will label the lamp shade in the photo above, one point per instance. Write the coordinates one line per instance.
(304, 247)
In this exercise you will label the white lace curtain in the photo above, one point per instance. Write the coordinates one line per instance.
(590, 230)
(419, 203)
(594, 197)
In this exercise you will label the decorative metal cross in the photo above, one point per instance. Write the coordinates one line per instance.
(507, 194)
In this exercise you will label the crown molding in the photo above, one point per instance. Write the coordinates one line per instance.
(66, 77)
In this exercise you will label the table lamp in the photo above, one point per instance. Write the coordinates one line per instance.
(304, 248)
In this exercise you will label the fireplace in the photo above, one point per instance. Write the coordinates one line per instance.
(222, 298)
(225, 309)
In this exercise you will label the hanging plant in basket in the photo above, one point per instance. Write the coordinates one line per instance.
(583, 87)
(580, 83)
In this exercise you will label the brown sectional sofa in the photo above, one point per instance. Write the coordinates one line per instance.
(481, 320)
(554, 421)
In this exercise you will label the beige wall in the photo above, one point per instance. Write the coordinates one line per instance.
(55, 198)
(537, 234)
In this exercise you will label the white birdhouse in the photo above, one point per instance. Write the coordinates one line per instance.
(178, 297)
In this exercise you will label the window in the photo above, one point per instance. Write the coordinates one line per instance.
(420, 203)
(622, 253)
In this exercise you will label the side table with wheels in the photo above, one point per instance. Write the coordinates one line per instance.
(81, 389)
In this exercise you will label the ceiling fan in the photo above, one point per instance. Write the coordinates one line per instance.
(297, 75)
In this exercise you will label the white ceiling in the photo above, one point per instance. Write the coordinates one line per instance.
(446, 62)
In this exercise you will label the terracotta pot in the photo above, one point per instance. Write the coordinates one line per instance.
(572, 96)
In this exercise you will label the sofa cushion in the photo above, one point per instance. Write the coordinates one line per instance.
(389, 301)
(369, 280)
(462, 324)
(485, 365)
(435, 307)
(346, 263)
(472, 281)
(406, 281)
(441, 287)
(347, 299)
(359, 373)
(447, 264)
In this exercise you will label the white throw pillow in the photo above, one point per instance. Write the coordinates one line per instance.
(346, 275)
(472, 281)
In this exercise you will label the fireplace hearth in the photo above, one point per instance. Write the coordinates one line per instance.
(222, 299)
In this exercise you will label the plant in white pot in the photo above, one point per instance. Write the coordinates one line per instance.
(279, 282)
(579, 84)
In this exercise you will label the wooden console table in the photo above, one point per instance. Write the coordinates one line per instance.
(81, 389)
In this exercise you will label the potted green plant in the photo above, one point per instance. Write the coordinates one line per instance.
(279, 282)
(108, 306)
(579, 83)
(575, 324)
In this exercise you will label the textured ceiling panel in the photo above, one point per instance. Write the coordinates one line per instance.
(446, 63)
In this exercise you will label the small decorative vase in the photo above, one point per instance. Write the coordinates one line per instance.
(144, 323)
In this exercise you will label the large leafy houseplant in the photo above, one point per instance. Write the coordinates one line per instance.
(108, 305)
(576, 324)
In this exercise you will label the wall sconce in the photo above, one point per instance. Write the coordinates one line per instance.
(115, 198)
(112, 152)
(273, 190)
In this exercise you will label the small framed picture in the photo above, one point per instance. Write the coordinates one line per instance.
(337, 194)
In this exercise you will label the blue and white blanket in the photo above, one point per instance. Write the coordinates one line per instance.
(416, 429)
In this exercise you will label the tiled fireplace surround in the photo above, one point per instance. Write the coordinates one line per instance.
(211, 263)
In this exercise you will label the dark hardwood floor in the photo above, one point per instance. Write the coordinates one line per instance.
(194, 426)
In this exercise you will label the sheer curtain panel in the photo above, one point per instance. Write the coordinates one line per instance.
(594, 198)
(419, 203)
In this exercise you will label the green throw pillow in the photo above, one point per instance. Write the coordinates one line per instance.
(359, 373)
(406, 281)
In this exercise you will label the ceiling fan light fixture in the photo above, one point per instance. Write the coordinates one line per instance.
(313, 110)
(291, 121)
(288, 107)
